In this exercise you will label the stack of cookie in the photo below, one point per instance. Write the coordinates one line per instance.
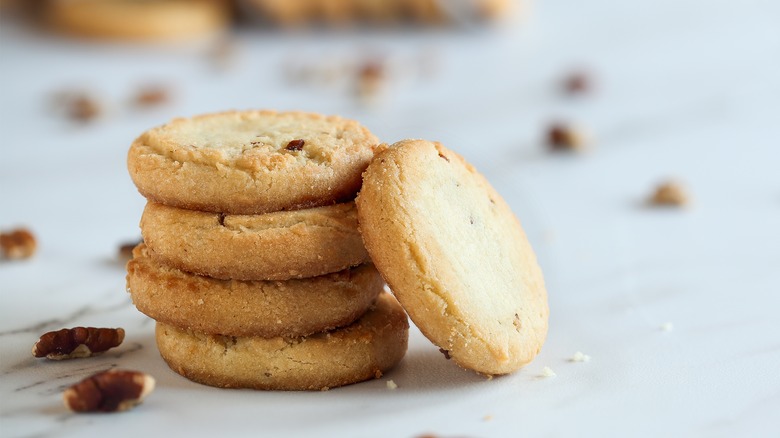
(252, 263)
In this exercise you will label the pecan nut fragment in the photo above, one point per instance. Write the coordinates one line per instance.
(77, 342)
(295, 145)
(17, 244)
(670, 194)
(109, 391)
(566, 137)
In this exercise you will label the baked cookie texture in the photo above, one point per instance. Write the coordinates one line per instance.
(272, 246)
(243, 162)
(288, 12)
(364, 350)
(138, 19)
(454, 255)
(250, 308)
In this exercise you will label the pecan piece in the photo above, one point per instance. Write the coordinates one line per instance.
(17, 244)
(152, 95)
(671, 194)
(564, 137)
(77, 342)
(295, 145)
(109, 391)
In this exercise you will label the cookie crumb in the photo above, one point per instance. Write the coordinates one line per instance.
(391, 385)
(487, 418)
(547, 372)
(566, 137)
(667, 326)
(580, 357)
(670, 194)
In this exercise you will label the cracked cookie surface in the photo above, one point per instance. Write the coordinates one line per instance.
(363, 350)
(272, 246)
(455, 255)
(250, 308)
(241, 162)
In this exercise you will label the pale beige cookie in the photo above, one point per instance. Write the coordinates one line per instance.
(251, 162)
(364, 350)
(454, 255)
(286, 12)
(250, 308)
(271, 246)
(138, 19)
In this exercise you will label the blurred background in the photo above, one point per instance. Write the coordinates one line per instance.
(578, 112)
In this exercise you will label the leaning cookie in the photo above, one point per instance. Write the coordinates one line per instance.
(251, 162)
(364, 350)
(250, 308)
(271, 246)
(138, 20)
(454, 254)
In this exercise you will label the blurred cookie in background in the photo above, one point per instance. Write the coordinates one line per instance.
(138, 20)
(339, 12)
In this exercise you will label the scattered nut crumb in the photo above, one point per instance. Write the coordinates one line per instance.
(577, 82)
(547, 372)
(391, 385)
(487, 418)
(446, 353)
(670, 194)
(82, 108)
(109, 391)
(77, 342)
(565, 137)
(667, 326)
(370, 79)
(580, 357)
(152, 95)
(17, 244)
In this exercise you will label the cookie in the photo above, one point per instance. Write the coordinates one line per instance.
(271, 246)
(287, 12)
(251, 162)
(364, 350)
(138, 19)
(455, 255)
(250, 308)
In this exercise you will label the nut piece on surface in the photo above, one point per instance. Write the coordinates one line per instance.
(565, 137)
(670, 194)
(17, 244)
(577, 82)
(109, 391)
(77, 342)
(151, 95)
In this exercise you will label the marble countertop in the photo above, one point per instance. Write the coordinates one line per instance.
(678, 309)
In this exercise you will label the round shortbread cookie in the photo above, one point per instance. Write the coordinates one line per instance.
(364, 350)
(251, 162)
(272, 246)
(138, 19)
(250, 308)
(454, 254)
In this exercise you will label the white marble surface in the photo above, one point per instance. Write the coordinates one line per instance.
(686, 88)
